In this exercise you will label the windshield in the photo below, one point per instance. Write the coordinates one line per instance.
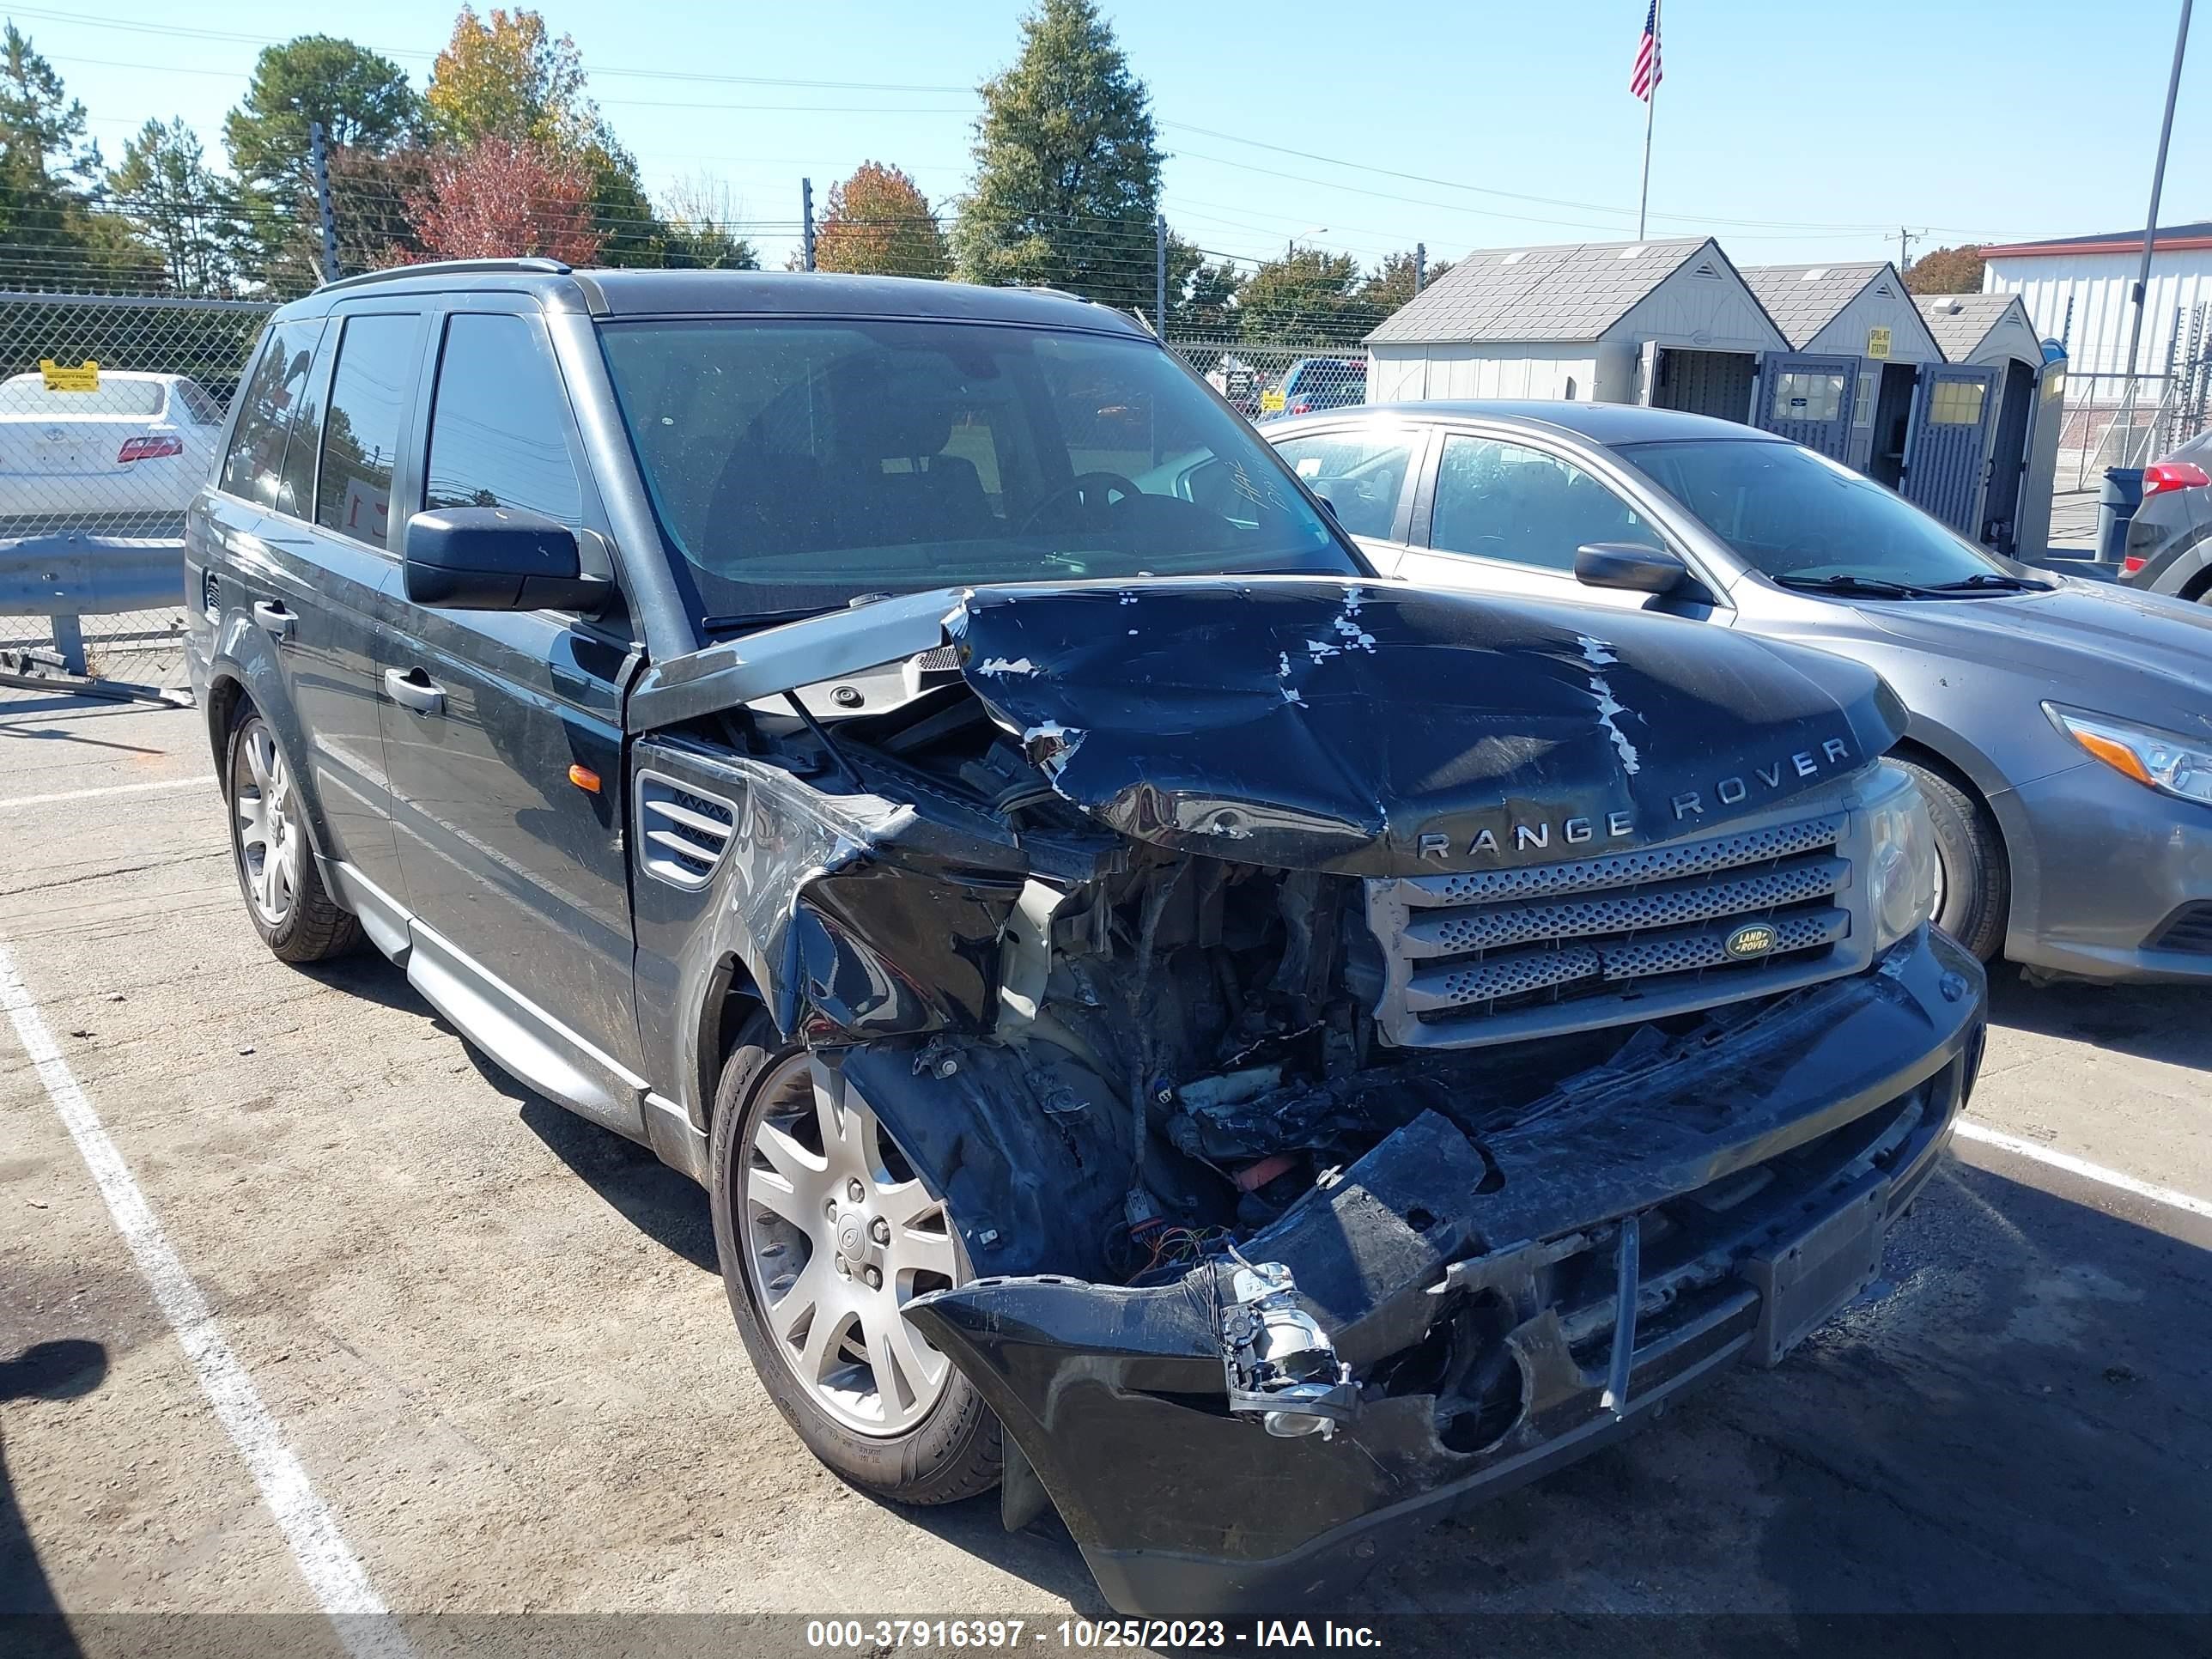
(803, 464)
(1792, 513)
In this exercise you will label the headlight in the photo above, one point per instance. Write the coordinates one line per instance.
(2157, 760)
(1901, 865)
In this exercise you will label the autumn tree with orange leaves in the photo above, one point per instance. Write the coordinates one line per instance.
(878, 223)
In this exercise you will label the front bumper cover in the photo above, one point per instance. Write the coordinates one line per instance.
(1730, 1195)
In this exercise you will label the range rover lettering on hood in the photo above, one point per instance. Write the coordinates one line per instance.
(1372, 729)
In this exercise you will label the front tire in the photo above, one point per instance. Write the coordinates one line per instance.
(1974, 898)
(285, 900)
(822, 1229)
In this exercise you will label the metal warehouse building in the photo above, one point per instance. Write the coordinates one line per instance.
(1669, 323)
(2077, 291)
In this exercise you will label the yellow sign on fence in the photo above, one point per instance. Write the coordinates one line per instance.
(1271, 403)
(1877, 342)
(85, 377)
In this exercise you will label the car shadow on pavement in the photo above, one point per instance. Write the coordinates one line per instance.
(2164, 1022)
(46, 1370)
(667, 1207)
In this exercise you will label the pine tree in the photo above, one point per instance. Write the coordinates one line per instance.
(1067, 165)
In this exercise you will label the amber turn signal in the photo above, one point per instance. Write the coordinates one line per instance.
(585, 778)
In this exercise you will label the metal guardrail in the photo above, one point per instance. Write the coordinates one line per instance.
(69, 577)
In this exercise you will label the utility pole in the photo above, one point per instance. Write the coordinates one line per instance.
(2150, 223)
(806, 222)
(1905, 239)
(1420, 266)
(318, 159)
(1160, 275)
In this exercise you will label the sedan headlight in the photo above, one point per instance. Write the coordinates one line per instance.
(2158, 760)
(1901, 865)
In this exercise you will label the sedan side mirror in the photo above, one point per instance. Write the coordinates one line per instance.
(497, 558)
(1630, 565)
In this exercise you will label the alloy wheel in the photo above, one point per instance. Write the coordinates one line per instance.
(269, 840)
(838, 1234)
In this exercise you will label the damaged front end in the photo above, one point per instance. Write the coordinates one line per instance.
(1373, 1044)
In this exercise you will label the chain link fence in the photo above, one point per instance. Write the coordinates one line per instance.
(111, 414)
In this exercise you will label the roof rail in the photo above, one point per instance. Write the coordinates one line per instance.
(532, 265)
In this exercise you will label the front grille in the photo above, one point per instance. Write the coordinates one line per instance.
(1498, 956)
(2189, 928)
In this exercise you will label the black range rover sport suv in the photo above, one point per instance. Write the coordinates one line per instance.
(1237, 1052)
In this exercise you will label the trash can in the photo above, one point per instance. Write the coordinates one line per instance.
(2116, 505)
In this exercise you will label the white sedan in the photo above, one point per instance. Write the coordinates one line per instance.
(121, 458)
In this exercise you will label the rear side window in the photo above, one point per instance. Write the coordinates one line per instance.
(28, 394)
(499, 423)
(361, 433)
(266, 403)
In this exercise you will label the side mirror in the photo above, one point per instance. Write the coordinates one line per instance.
(496, 558)
(1630, 565)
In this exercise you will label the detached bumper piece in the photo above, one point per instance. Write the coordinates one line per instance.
(1455, 1315)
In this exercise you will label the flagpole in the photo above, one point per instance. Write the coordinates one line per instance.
(1651, 110)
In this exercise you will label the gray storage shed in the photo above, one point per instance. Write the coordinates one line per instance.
(1859, 341)
(1990, 332)
(1666, 323)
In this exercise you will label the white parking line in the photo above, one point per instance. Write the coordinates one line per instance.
(1970, 1130)
(334, 1573)
(200, 782)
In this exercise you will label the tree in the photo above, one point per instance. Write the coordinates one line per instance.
(1201, 295)
(507, 198)
(1067, 167)
(507, 78)
(1946, 270)
(698, 214)
(1304, 295)
(178, 206)
(53, 231)
(878, 223)
(1392, 283)
(374, 195)
(368, 111)
(361, 98)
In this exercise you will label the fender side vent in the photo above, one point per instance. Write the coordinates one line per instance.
(682, 832)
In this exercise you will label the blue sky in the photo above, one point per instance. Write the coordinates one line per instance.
(1791, 129)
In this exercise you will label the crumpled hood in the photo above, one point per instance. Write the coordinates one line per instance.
(1370, 728)
(2137, 655)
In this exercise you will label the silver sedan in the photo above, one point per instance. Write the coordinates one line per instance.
(2062, 730)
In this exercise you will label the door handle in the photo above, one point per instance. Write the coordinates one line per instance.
(273, 619)
(413, 689)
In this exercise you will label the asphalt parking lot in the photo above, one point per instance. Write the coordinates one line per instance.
(491, 1341)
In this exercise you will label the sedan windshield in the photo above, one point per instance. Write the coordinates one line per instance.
(1799, 517)
(799, 464)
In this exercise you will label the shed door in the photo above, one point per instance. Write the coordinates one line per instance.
(1808, 400)
(1949, 437)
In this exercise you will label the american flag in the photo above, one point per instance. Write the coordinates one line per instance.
(1645, 76)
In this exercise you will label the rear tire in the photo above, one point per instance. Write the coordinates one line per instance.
(885, 1411)
(285, 900)
(1973, 900)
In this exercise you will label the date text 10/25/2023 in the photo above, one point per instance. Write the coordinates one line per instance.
(1087, 1635)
